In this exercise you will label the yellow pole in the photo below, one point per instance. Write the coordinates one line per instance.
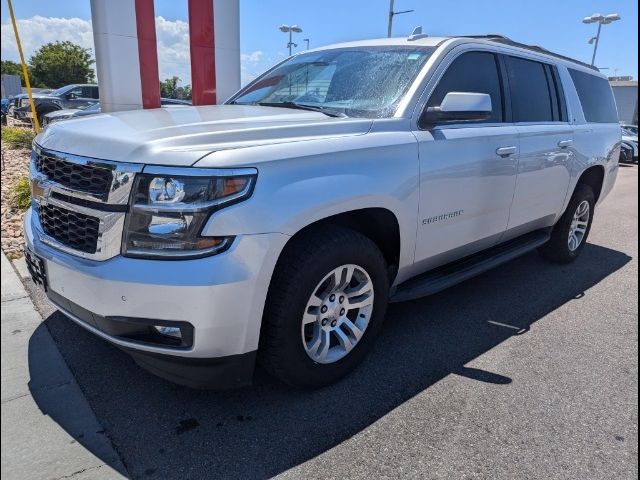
(25, 72)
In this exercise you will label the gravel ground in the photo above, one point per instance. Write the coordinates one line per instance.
(528, 371)
(15, 165)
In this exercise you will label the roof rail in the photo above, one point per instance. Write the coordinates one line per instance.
(534, 48)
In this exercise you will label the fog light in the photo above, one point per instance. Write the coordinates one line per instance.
(173, 332)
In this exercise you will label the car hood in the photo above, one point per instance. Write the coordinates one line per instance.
(182, 136)
(66, 112)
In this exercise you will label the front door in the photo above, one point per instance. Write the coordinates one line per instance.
(467, 170)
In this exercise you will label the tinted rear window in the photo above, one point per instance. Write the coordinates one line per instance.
(532, 95)
(596, 97)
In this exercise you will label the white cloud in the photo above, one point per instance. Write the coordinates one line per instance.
(172, 37)
(253, 57)
(36, 31)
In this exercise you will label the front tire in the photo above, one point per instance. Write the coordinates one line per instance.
(570, 234)
(326, 304)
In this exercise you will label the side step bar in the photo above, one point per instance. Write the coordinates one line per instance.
(456, 272)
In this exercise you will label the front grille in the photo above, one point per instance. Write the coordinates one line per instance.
(72, 229)
(75, 176)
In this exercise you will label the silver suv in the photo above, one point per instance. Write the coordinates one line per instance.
(277, 227)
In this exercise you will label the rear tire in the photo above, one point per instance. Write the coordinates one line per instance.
(569, 236)
(43, 112)
(301, 309)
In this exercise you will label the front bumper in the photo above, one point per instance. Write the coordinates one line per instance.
(222, 297)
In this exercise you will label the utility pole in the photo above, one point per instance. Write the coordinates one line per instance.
(392, 14)
(390, 24)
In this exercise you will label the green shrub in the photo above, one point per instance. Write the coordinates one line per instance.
(17, 137)
(21, 194)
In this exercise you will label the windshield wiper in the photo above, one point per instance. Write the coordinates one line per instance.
(302, 106)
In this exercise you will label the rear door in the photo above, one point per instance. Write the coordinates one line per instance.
(467, 170)
(546, 143)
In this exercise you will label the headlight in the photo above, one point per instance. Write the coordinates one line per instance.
(170, 207)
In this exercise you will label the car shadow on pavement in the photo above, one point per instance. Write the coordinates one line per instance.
(162, 430)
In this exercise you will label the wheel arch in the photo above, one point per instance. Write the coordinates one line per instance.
(594, 178)
(376, 223)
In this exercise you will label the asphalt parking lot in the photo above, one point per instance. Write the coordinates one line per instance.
(528, 371)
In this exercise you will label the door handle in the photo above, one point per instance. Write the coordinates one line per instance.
(506, 151)
(565, 143)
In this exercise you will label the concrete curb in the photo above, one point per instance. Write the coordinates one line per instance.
(33, 445)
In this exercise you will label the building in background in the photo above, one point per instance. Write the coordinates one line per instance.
(11, 86)
(625, 89)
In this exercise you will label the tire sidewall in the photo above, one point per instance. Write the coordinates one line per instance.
(301, 367)
(583, 193)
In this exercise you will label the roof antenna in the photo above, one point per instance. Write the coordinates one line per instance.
(417, 34)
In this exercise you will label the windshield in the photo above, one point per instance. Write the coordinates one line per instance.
(62, 90)
(358, 82)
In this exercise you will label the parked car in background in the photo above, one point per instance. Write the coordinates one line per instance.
(70, 96)
(277, 227)
(4, 110)
(94, 109)
(629, 148)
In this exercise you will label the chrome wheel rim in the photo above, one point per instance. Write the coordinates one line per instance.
(579, 225)
(337, 314)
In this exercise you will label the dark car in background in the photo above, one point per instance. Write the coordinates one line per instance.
(94, 109)
(70, 96)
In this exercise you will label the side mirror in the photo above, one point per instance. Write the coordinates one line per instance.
(458, 107)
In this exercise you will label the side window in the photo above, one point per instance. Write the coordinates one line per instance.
(87, 92)
(472, 72)
(533, 93)
(596, 97)
(75, 93)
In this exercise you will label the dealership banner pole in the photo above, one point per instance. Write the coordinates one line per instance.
(25, 72)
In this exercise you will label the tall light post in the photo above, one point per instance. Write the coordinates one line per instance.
(392, 14)
(600, 20)
(307, 42)
(290, 29)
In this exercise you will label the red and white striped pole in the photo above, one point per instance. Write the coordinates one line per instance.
(124, 35)
(214, 36)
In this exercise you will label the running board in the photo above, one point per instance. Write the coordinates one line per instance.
(451, 274)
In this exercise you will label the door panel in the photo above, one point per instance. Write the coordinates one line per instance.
(466, 190)
(543, 174)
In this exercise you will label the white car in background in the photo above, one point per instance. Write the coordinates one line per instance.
(94, 109)
(629, 147)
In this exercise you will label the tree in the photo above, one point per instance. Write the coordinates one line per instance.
(169, 89)
(58, 64)
(12, 68)
(169, 86)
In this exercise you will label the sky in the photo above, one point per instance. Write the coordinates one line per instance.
(553, 24)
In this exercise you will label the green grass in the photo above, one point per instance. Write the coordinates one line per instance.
(21, 194)
(17, 137)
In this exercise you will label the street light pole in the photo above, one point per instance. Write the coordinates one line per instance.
(392, 14)
(600, 20)
(595, 45)
(290, 29)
